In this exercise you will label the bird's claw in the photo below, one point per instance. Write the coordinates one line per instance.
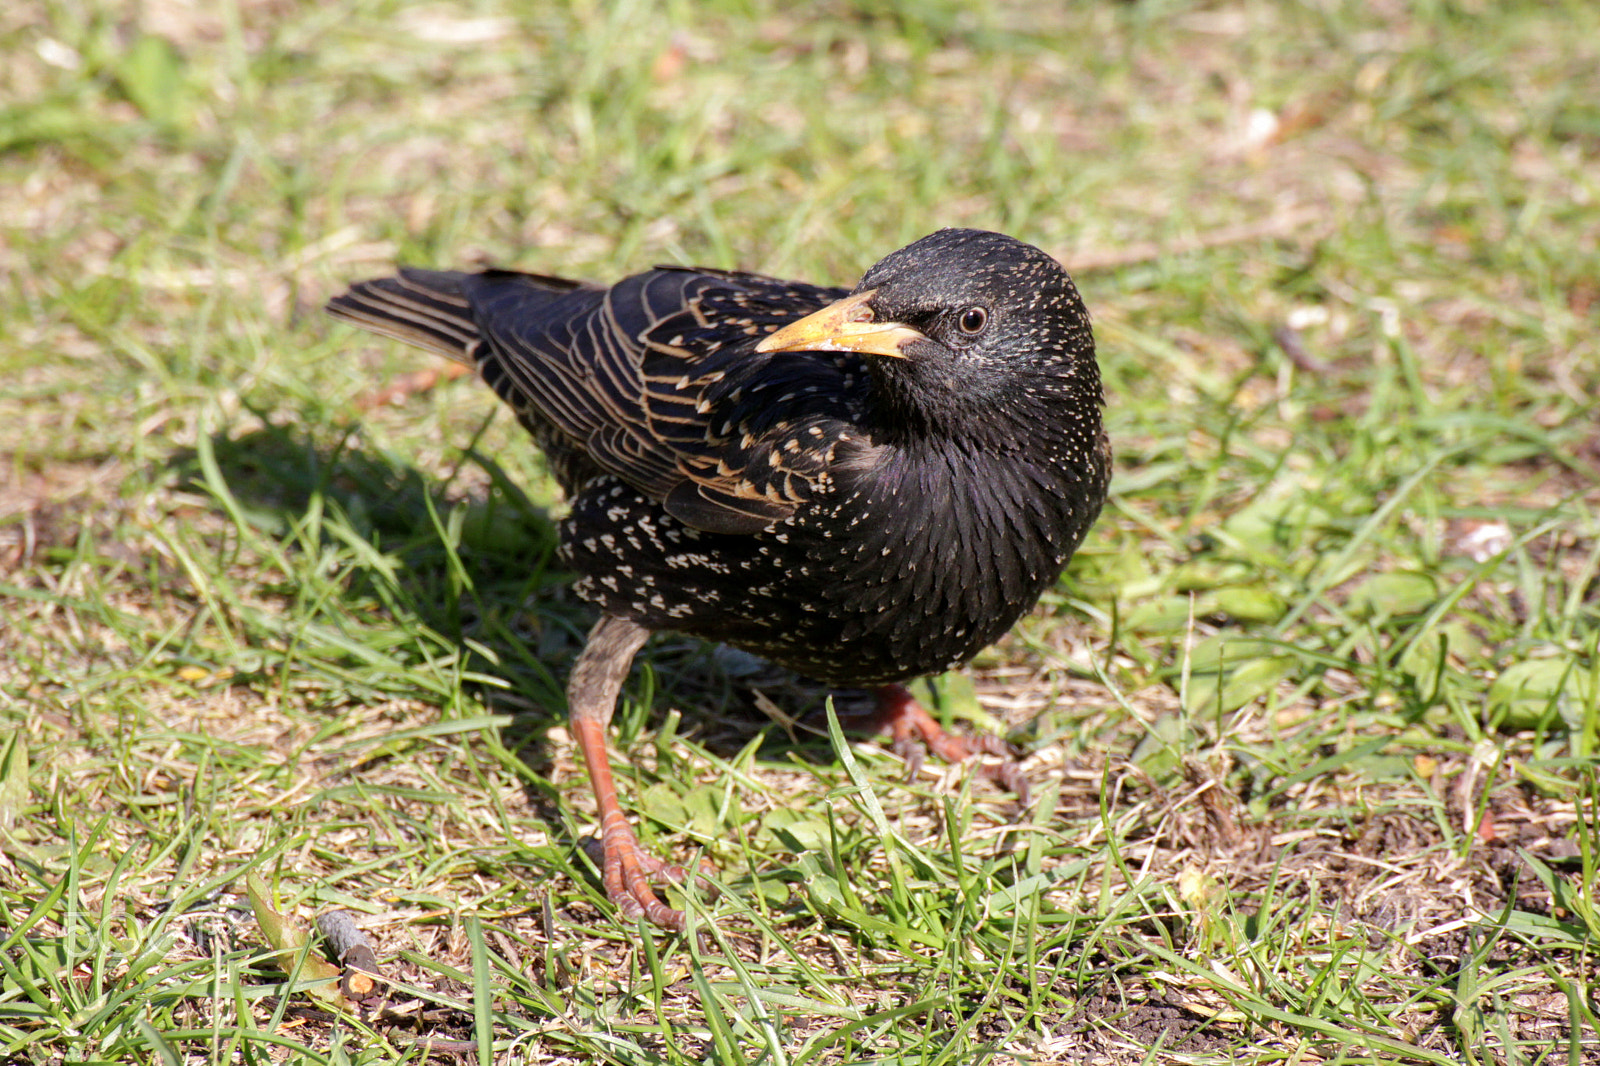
(916, 733)
(627, 871)
(1008, 775)
(912, 753)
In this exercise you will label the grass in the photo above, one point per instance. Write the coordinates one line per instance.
(1313, 717)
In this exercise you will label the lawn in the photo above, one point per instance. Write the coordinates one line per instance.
(1312, 722)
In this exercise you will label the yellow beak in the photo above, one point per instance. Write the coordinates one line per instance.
(843, 326)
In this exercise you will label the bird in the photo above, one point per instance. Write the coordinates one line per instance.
(864, 486)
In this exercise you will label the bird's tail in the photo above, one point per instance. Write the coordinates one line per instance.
(426, 308)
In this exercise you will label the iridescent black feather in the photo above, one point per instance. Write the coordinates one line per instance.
(858, 518)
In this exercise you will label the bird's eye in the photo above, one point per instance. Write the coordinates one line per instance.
(973, 319)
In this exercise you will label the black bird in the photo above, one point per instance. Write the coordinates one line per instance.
(864, 486)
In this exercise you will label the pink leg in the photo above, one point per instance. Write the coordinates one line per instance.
(908, 722)
(625, 867)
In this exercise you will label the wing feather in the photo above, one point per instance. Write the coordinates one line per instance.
(655, 380)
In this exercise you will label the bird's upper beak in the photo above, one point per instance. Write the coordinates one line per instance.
(843, 326)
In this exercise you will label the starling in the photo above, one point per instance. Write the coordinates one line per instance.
(862, 486)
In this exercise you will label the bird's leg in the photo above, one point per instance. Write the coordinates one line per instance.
(907, 722)
(597, 678)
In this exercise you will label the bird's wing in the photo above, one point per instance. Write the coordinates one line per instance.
(656, 379)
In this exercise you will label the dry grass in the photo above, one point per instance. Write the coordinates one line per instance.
(1312, 719)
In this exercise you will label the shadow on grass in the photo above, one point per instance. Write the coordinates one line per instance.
(479, 570)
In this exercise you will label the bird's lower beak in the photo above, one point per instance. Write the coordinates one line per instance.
(843, 326)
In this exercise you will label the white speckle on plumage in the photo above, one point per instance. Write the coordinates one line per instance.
(860, 518)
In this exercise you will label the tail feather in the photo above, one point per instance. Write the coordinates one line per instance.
(425, 308)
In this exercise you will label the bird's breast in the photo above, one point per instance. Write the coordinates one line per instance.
(905, 566)
(924, 564)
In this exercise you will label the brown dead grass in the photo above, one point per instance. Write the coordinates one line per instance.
(1376, 857)
(1403, 862)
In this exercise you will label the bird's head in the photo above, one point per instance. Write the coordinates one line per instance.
(968, 334)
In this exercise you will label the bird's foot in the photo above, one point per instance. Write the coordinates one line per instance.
(627, 870)
(914, 732)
